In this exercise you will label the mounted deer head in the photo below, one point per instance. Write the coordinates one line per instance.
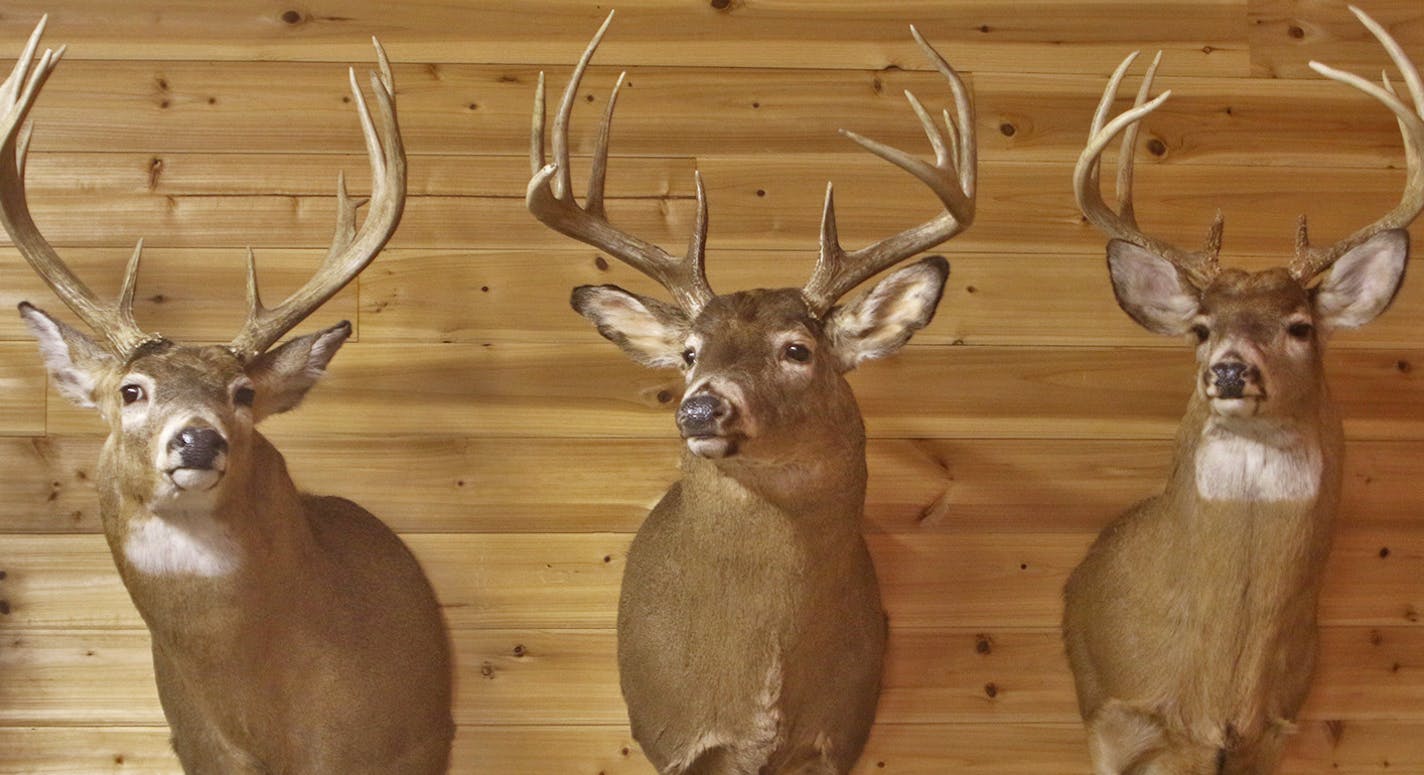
(1190, 625)
(180, 414)
(291, 633)
(752, 570)
(759, 363)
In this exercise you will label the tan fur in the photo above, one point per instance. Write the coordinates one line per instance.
(322, 648)
(1190, 626)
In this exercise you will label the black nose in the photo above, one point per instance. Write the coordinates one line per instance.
(198, 447)
(699, 414)
(1230, 378)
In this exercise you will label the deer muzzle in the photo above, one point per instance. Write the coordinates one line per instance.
(704, 420)
(197, 457)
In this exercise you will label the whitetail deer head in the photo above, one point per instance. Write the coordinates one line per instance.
(763, 362)
(179, 415)
(1258, 335)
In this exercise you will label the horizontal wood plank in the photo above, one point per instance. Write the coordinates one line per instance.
(1319, 747)
(1375, 576)
(547, 677)
(1285, 35)
(770, 34)
(457, 485)
(588, 390)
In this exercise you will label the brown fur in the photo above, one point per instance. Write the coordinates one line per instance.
(1190, 625)
(325, 650)
(750, 629)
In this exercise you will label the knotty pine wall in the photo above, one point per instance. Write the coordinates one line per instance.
(516, 451)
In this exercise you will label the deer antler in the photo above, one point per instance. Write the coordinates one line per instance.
(114, 320)
(1199, 266)
(1309, 261)
(351, 249)
(550, 198)
(951, 177)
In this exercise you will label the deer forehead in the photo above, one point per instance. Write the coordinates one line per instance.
(761, 314)
(1267, 296)
(186, 373)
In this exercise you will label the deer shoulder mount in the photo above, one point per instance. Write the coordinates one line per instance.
(750, 629)
(1190, 626)
(291, 633)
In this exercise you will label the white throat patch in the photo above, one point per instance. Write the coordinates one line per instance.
(1278, 466)
(183, 544)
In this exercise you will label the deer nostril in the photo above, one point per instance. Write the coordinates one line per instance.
(1230, 377)
(699, 413)
(198, 446)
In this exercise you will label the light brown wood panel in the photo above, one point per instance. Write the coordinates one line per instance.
(592, 390)
(445, 484)
(1375, 577)
(1319, 747)
(569, 677)
(996, 299)
(783, 33)
(1017, 212)
(192, 295)
(1310, 121)
(22, 390)
(1286, 34)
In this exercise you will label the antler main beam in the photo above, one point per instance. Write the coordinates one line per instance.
(1309, 261)
(113, 320)
(1199, 266)
(951, 178)
(550, 198)
(352, 249)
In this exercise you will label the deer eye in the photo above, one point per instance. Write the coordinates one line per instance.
(244, 396)
(1201, 332)
(1300, 330)
(798, 352)
(131, 393)
(689, 356)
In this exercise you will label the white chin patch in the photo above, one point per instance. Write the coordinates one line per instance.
(1282, 466)
(712, 447)
(195, 479)
(1235, 407)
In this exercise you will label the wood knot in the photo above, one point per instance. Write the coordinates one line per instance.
(293, 17)
(983, 644)
(1295, 31)
(1007, 130)
(600, 263)
(519, 650)
(991, 689)
(1156, 147)
(721, 5)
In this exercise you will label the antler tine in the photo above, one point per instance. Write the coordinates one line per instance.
(1310, 262)
(1199, 266)
(550, 197)
(352, 248)
(952, 178)
(113, 320)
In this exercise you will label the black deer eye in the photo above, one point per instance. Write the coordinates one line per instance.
(244, 396)
(1300, 330)
(798, 352)
(689, 356)
(1201, 332)
(131, 393)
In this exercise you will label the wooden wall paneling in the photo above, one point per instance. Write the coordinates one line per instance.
(437, 484)
(983, 35)
(517, 451)
(569, 677)
(560, 580)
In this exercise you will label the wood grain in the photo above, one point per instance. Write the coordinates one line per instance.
(568, 580)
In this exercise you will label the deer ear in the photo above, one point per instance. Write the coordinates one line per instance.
(282, 377)
(1150, 289)
(74, 361)
(651, 332)
(883, 319)
(1363, 282)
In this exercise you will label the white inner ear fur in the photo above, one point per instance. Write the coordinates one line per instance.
(1364, 281)
(640, 329)
(883, 319)
(1150, 289)
(70, 379)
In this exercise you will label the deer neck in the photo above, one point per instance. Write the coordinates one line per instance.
(820, 482)
(193, 571)
(1251, 499)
